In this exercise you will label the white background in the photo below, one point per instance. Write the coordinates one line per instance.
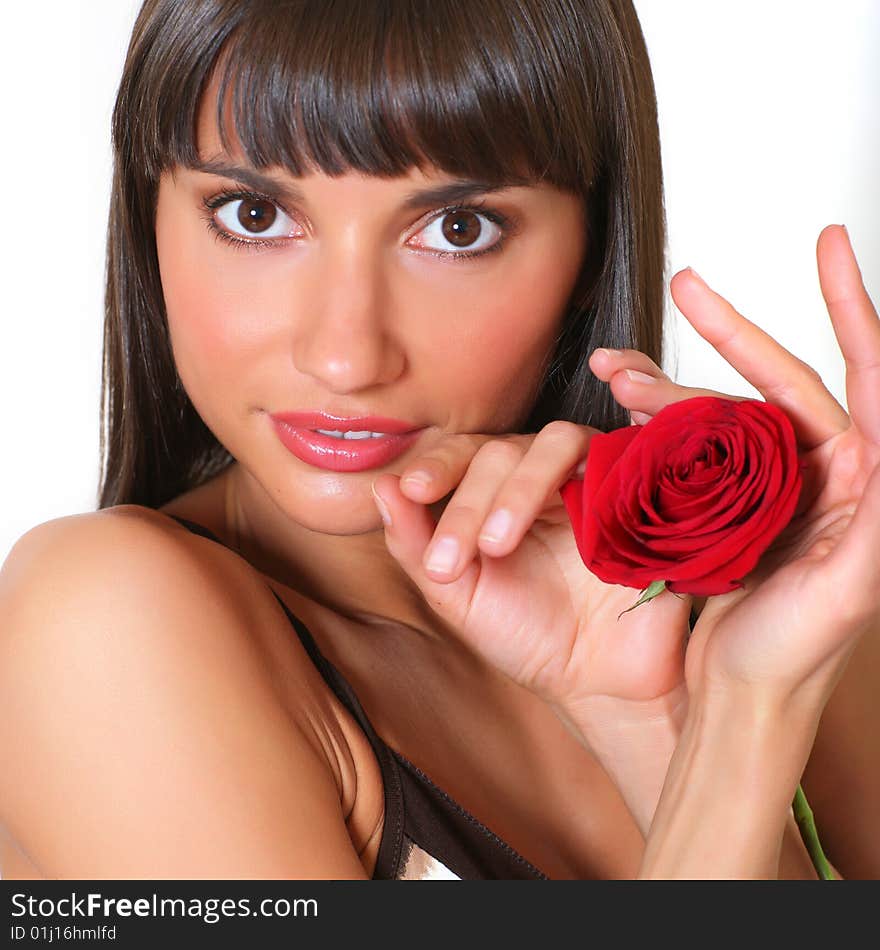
(770, 119)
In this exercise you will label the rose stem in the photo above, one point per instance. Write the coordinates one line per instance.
(804, 817)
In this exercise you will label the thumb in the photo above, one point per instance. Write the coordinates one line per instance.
(409, 527)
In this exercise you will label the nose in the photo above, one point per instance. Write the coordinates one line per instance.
(343, 337)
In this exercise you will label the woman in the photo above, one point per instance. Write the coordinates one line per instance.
(437, 228)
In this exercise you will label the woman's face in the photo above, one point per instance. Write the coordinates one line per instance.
(353, 296)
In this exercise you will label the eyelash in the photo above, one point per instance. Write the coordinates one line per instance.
(212, 203)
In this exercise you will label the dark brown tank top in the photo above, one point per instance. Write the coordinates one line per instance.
(427, 835)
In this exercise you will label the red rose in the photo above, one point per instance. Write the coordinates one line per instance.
(694, 497)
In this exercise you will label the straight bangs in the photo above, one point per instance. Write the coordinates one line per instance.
(503, 92)
(376, 87)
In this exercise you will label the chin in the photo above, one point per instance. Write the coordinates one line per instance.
(349, 512)
(346, 524)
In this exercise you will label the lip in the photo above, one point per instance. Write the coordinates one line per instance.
(324, 420)
(296, 431)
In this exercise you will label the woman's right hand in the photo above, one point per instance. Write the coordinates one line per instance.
(525, 602)
(528, 605)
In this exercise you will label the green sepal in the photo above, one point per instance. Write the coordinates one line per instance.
(649, 593)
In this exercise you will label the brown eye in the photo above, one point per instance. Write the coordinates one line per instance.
(461, 228)
(462, 232)
(253, 216)
(256, 215)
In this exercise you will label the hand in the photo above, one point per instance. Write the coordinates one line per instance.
(528, 606)
(791, 628)
(525, 602)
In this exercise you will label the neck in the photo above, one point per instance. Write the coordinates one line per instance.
(353, 575)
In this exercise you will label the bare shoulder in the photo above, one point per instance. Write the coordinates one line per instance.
(146, 726)
(128, 578)
(98, 568)
(124, 540)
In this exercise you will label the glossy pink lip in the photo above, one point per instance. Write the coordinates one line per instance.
(323, 420)
(296, 430)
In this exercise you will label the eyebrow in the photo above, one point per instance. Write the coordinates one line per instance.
(460, 190)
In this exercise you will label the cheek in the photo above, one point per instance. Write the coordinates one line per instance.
(506, 357)
(496, 353)
(211, 313)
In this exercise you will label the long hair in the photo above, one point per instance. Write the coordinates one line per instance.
(558, 91)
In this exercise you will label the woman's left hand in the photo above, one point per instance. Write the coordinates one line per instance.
(790, 629)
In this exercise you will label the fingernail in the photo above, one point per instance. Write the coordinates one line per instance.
(700, 279)
(638, 377)
(419, 477)
(383, 510)
(609, 351)
(497, 526)
(443, 556)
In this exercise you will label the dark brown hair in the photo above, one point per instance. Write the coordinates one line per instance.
(554, 90)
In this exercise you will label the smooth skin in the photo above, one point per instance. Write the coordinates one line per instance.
(348, 309)
(212, 651)
(781, 641)
(153, 634)
(228, 711)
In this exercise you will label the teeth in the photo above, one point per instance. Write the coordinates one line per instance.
(351, 435)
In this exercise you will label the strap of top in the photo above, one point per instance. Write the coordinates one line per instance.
(392, 838)
(431, 816)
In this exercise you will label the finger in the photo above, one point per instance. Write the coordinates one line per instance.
(526, 493)
(409, 527)
(605, 362)
(640, 386)
(778, 375)
(856, 326)
(645, 395)
(440, 468)
(454, 544)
